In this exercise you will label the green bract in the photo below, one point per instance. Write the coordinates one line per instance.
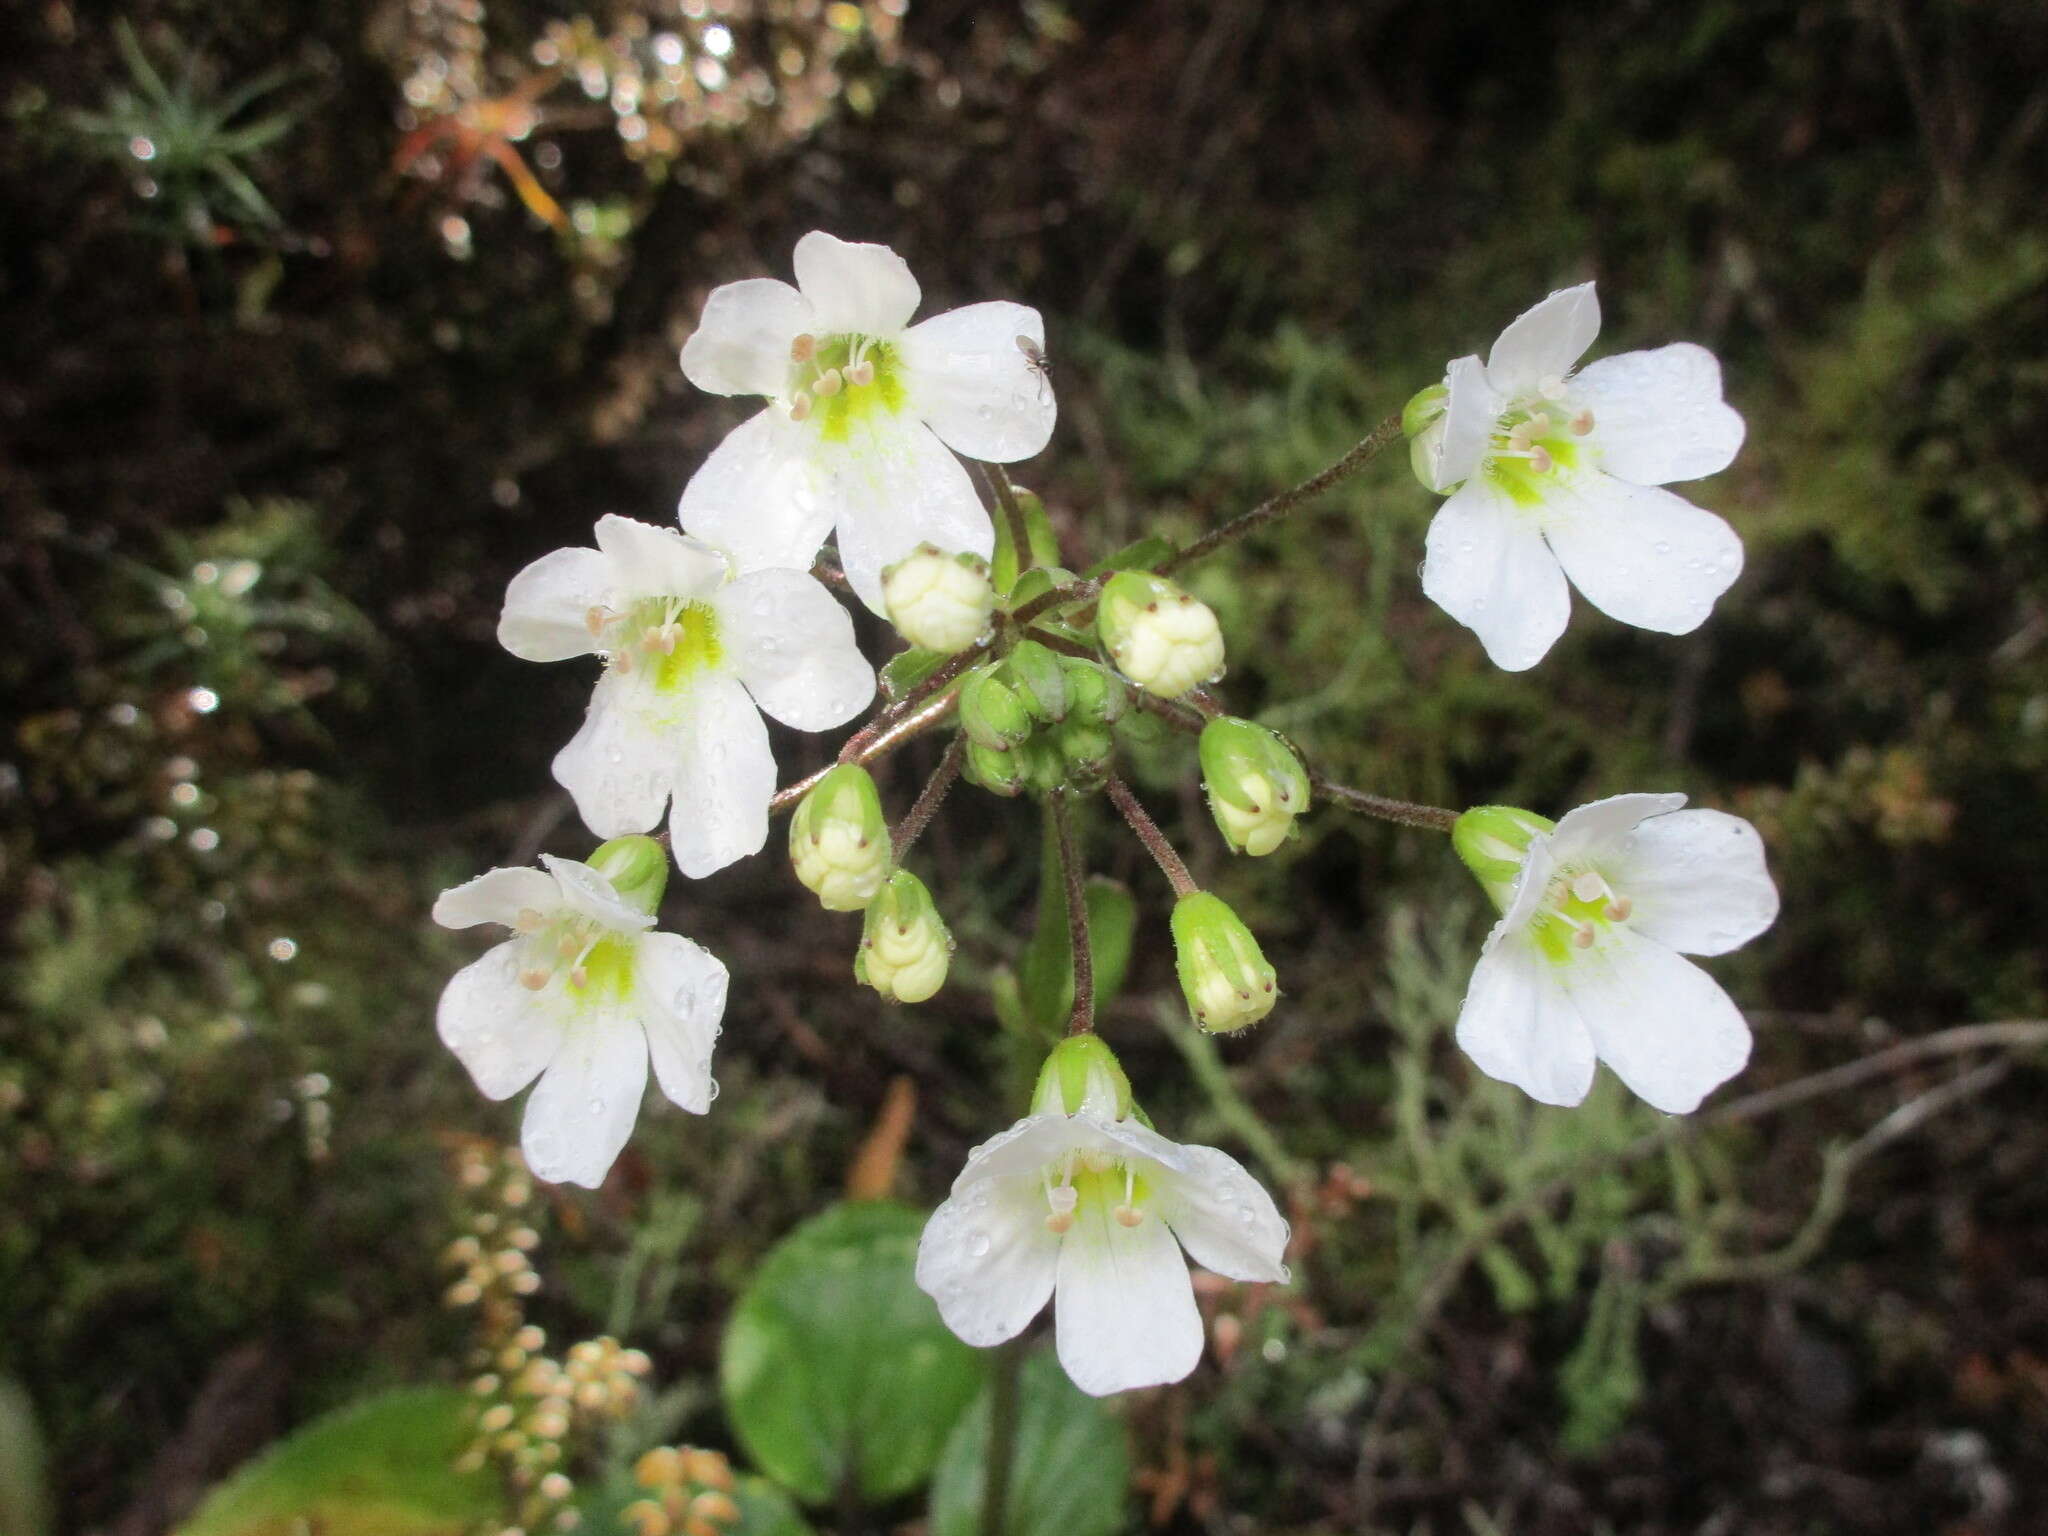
(1223, 973)
(839, 841)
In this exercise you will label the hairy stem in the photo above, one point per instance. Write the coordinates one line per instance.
(879, 746)
(1155, 842)
(1058, 597)
(1406, 812)
(999, 486)
(952, 667)
(1082, 1021)
(912, 826)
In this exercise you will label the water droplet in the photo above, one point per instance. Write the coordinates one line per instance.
(713, 1093)
(978, 1245)
(597, 1106)
(1663, 547)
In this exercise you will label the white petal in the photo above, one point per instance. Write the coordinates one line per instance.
(1471, 407)
(792, 645)
(1532, 881)
(660, 562)
(1544, 340)
(1595, 830)
(497, 1028)
(724, 777)
(1488, 567)
(1125, 1138)
(1519, 1025)
(988, 1260)
(1024, 1148)
(681, 991)
(1663, 1024)
(866, 289)
(974, 385)
(617, 767)
(583, 1111)
(1224, 1217)
(588, 893)
(1123, 1305)
(1639, 553)
(1697, 880)
(741, 346)
(1658, 415)
(545, 617)
(497, 897)
(759, 497)
(895, 486)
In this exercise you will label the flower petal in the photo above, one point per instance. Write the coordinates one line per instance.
(724, 777)
(545, 617)
(1487, 567)
(497, 897)
(1658, 415)
(1544, 340)
(681, 990)
(792, 644)
(660, 562)
(1640, 554)
(895, 486)
(617, 767)
(502, 1032)
(988, 1260)
(741, 346)
(1698, 881)
(1471, 407)
(1024, 1148)
(583, 1111)
(975, 386)
(1519, 1025)
(1123, 1305)
(1663, 1024)
(759, 497)
(1595, 830)
(1224, 1217)
(589, 894)
(864, 289)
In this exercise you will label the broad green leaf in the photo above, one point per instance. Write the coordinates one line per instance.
(765, 1510)
(1141, 555)
(1070, 1463)
(384, 1467)
(1045, 550)
(836, 1365)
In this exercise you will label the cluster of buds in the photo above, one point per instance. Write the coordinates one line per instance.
(938, 601)
(1223, 973)
(689, 1493)
(1257, 786)
(1159, 636)
(491, 1255)
(532, 1408)
(1039, 720)
(905, 946)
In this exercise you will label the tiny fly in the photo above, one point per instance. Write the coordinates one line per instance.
(1035, 360)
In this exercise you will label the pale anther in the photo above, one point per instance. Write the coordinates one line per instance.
(1619, 908)
(533, 980)
(1583, 422)
(804, 348)
(862, 372)
(1540, 460)
(829, 382)
(529, 921)
(800, 407)
(594, 618)
(1128, 1215)
(1589, 886)
(1582, 938)
(1059, 1221)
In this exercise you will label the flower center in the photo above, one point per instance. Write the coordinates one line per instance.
(1536, 437)
(837, 381)
(1578, 907)
(1093, 1180)
(587, 959)
(673, 638)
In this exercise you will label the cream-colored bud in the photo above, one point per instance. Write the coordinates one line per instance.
(1160, 637)
(905, 949)
(939, 601)
(838, 840)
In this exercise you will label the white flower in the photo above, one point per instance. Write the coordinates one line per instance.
(1094, 1212)
(694, 657)
(867, 411)
(1560, 477)
(583, 996)
(1587, 960)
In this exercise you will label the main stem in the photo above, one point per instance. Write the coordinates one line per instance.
(1082, 1020)
(1368, 449)
(1169, 862)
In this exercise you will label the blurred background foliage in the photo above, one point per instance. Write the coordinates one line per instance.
(323, 320)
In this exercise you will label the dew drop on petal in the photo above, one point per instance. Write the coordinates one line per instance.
(978, 1245)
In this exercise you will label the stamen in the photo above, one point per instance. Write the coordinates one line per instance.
(623, 660)
(1619, 909)
(1540, 460)
(1583, 422)
(1537, 425)
(594, 619)
(804, 348)
(1551, 386)
(800, 407)
(578, 977)
(1061, 1198)
(862, 372)
(1583, 937)
(529, 921)
(1589, 886)
(1518, 439)
(829, 382)
(1128, 1215)
(1059, 1221)
(534, 979)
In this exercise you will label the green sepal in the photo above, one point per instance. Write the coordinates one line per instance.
(1080, 1074)
(1493, 840)
(990, 711)
(1424, 409)
(1039, 681)
(637, 868)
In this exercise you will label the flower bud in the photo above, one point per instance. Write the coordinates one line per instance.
(1082, 1074)
(999, 770)
(839, 842)
(937, 601)
(1043, 764)
(905, 948)
(1092, 692)
(1158, 635)
(1039, 681)
(990, 711)
(637, 868)
(1493, 840)
(1225, 977)
(1422, 423)
(1085, 748)
(1256, 784)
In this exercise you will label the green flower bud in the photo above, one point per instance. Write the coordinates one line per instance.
(937, 601)
(999, 770)
(1082, 1074)
(1040, 683)
(637, 868)
(838, 840)
(904, 947)
(1085, 747)
(1422, 422)
(1158, 636)
(1092, 692)
(1224, 975)
(1044, 765)
(1256, 784)
(1493, 840)
(990, 711)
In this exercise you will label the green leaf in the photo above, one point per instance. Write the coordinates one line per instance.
(383, 1467)
(765, 1510)
(1005, 568)
(24, 1498)
(906, 669)
(1070, 1464)
(1045, 971)
(1140, 555)
(836, 1365)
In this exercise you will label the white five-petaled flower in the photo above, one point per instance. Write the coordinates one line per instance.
(582, 996)
(1588, 958)
(694, 656)
(866, 413)
(1094, 1212)
(1559, 474)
